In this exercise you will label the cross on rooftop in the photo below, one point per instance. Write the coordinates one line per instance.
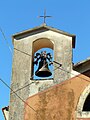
(45, 16)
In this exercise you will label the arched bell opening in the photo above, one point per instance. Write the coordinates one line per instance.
(43, 56)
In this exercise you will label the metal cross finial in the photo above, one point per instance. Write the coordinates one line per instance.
(45, 16)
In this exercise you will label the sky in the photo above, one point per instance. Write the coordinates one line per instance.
(72, 16)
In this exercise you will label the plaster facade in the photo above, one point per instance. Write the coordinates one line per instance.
(61, 102)
(22, 65)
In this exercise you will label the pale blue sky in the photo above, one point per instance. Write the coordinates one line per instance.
(72, 16)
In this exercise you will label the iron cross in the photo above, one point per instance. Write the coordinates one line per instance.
(45, 16)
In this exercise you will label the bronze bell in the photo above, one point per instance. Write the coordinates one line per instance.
(43, 69)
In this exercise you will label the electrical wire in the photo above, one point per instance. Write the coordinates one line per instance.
(4, 81)
(53, 70)
(23, 52)
(59, 67)
(75, 75)
(32, 76)
(70, 72)
(32, 82)
(29, 54)
(6, 40)
(22, 87)
(28, 84)
(17, 95)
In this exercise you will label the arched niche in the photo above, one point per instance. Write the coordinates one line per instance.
(39, 44)
(42, 43)
(82, 111)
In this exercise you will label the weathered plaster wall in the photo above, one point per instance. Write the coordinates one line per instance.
(21, 71)
(58, 102)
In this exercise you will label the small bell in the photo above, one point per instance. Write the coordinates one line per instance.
(43, 69)
(43, 72)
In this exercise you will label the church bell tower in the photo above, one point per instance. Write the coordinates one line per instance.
(40, 57)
